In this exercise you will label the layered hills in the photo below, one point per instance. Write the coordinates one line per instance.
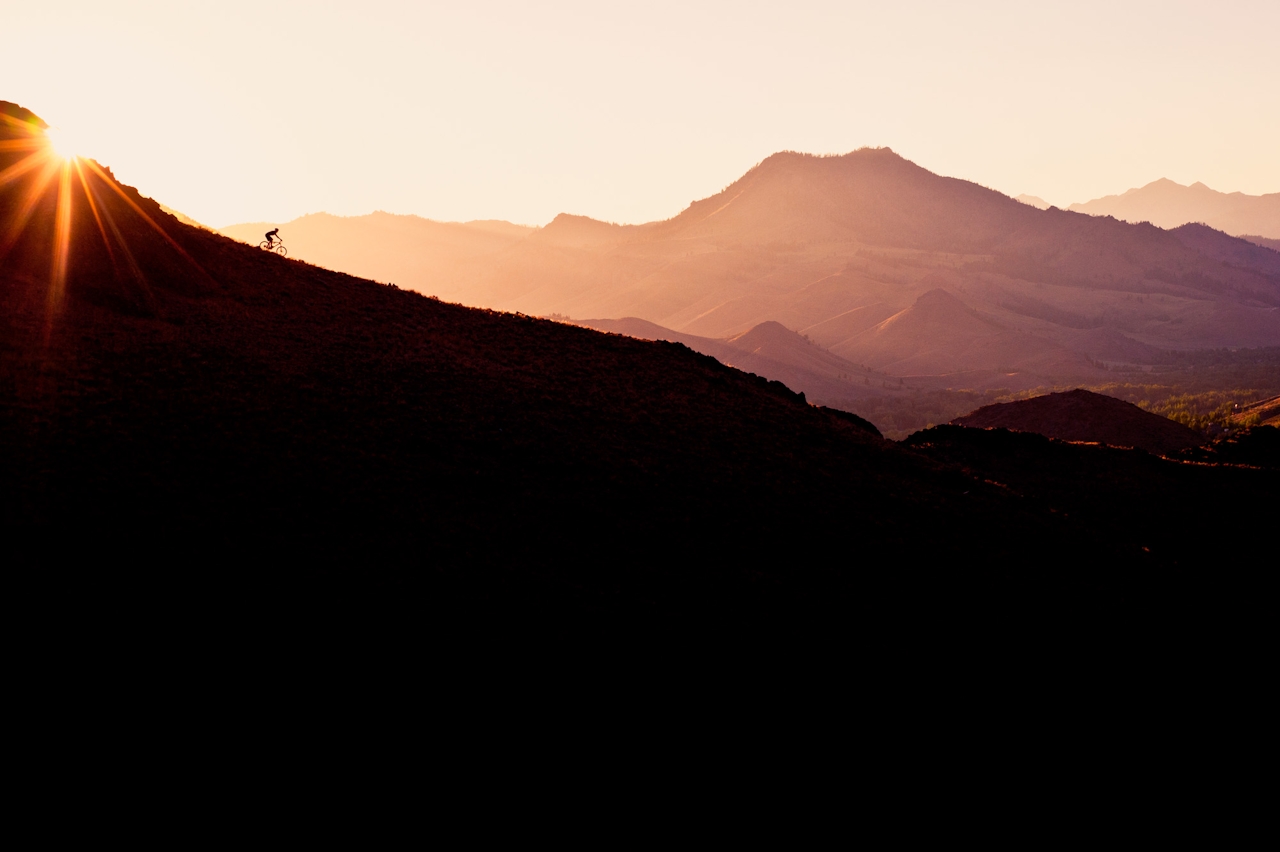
(834, 247)
(1167, 204)
(774, 351)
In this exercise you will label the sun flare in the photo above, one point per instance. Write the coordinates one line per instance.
(65, 145)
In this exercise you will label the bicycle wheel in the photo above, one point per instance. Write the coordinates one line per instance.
(282, 251)
(264, 245)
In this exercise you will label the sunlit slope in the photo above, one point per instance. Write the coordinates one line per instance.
(939, 330)
(1266, 412)
(1167, 204)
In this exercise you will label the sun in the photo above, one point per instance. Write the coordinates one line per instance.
(64, 143)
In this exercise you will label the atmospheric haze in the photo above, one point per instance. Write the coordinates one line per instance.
(239, 112)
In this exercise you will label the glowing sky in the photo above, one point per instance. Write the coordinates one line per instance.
(234, 112)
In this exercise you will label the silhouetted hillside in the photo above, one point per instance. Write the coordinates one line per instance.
(1081, 415)
(1192, 519)
(1255, 446)
(1167, 204)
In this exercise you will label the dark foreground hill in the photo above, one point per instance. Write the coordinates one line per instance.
(1082, 415)
(1205, 524)
(187, 422)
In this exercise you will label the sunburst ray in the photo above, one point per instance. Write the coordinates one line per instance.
(33, 195)
(146, 218)
(32, 144)
(61, 250)
(89, 196)
(96, 205)
(26, 164)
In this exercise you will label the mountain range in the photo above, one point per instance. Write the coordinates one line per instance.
(929, 279)
(1167, 204)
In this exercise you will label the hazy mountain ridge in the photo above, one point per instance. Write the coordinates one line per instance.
(832, 246)
(775, 352)
(1265, 242)
(1168, 204)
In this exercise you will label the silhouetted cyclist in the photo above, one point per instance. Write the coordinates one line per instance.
(271, 236)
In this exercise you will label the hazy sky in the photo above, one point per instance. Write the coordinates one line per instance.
(235, 112)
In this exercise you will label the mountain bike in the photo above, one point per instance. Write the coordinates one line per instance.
(277, 247)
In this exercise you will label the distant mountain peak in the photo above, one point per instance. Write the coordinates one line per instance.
(938, 298)
(572, 231)
(769, 331)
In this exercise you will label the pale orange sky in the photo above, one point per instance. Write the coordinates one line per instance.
(234, 112)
